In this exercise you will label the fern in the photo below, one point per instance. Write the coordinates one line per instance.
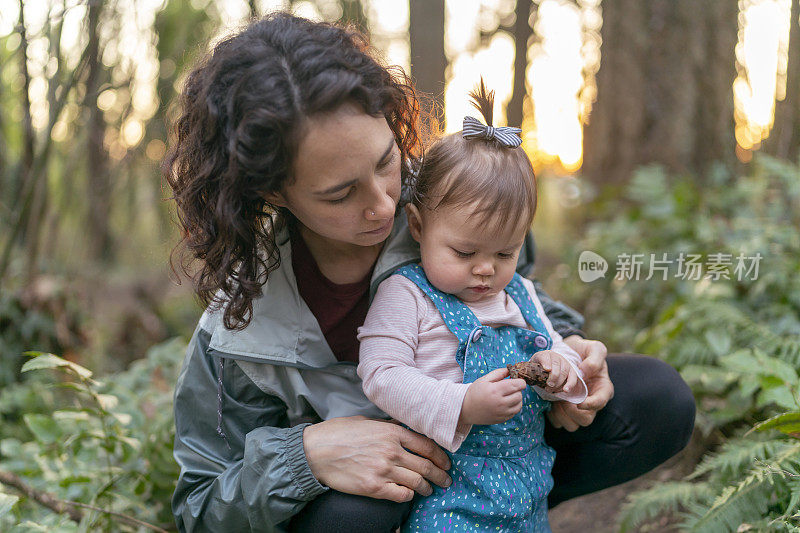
(717, 503)
(659, 500)
(748, 500)
(736, 456)
(735, 341)
(722, 315)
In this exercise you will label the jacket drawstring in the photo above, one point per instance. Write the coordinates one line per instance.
(220, 431)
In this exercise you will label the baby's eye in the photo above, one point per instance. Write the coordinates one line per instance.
(505, 255)
(459, 253)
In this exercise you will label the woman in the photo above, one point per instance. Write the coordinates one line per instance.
(287, 164)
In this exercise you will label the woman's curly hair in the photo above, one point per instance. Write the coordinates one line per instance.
(240, 117)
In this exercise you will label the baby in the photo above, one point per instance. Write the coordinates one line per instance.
(439, 334)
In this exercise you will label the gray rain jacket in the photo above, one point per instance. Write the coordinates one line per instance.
(239, 439)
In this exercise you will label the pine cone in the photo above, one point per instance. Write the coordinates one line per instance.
(531, 371)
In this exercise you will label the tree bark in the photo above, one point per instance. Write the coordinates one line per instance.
(39, 164)
(715, 73)
(353, 13)
(41, 191)
(664, 88)
(99, 193)
(784, 140)
(523, 32)
(25, 171)
(4, 181)
(611, 136)
(428, 60)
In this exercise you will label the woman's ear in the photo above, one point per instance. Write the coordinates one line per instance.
(275, 199)
(414, 221)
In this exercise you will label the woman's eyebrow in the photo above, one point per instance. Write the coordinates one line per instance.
(387, 151)
(337, 188)
(342, 186)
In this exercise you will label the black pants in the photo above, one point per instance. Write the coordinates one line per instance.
(649, 420)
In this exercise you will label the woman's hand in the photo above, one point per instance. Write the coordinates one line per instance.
(357, 455)
(492, 399)
(595, 373)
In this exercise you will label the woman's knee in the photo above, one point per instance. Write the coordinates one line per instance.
(335, 511)
(657, 398)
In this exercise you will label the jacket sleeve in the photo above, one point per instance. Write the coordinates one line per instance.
(566, 321)
(254, 474)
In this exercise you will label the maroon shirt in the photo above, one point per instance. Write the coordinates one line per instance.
(339, 309)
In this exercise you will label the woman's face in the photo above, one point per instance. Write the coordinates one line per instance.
(346, 178)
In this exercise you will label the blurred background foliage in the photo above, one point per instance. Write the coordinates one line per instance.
(667, 126)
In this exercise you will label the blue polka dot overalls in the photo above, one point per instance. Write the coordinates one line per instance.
(501, 473)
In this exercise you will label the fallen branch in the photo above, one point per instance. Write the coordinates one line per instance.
(71, 509)
(42, 498)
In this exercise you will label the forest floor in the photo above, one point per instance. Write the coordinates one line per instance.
(598, 512)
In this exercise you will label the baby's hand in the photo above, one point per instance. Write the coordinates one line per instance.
(562, 376)
(492, 399)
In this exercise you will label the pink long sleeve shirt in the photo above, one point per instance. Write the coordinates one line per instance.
(407, 358)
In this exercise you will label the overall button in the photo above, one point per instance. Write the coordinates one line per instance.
(476, 335)
(540, 341)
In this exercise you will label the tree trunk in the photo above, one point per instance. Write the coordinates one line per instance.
(25, 171)
(523, 31)
(664, 88)
(611, 137)
(41, 192)
(99, 193)
(784, 140)
(353, 13)
(428, 60)
(715, 73)
(4, 181)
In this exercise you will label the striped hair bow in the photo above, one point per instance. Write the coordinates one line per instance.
(475, 129)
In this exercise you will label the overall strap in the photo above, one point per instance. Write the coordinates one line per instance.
(458, 318)
(522, 298)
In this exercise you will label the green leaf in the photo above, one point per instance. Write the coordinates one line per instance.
(780, 396)
(130, 441)
(122, 418)
(771, 382)
(10, 447)
(107, 401)
(48, 360)
(710, 378)
(78, 387)
(76, 478)
(43, 427)
(785, 423)
(7, 501)
(30, 527)
(741, 361)
(719, 341)
(69, 415)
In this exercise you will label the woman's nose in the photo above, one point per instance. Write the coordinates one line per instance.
(382, 207)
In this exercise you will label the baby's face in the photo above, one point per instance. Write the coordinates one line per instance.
(463, 256)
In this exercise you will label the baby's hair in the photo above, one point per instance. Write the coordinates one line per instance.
(495, 179)
(483, 101)
(241, 116)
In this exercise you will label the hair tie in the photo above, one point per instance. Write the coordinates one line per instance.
(475, 129)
